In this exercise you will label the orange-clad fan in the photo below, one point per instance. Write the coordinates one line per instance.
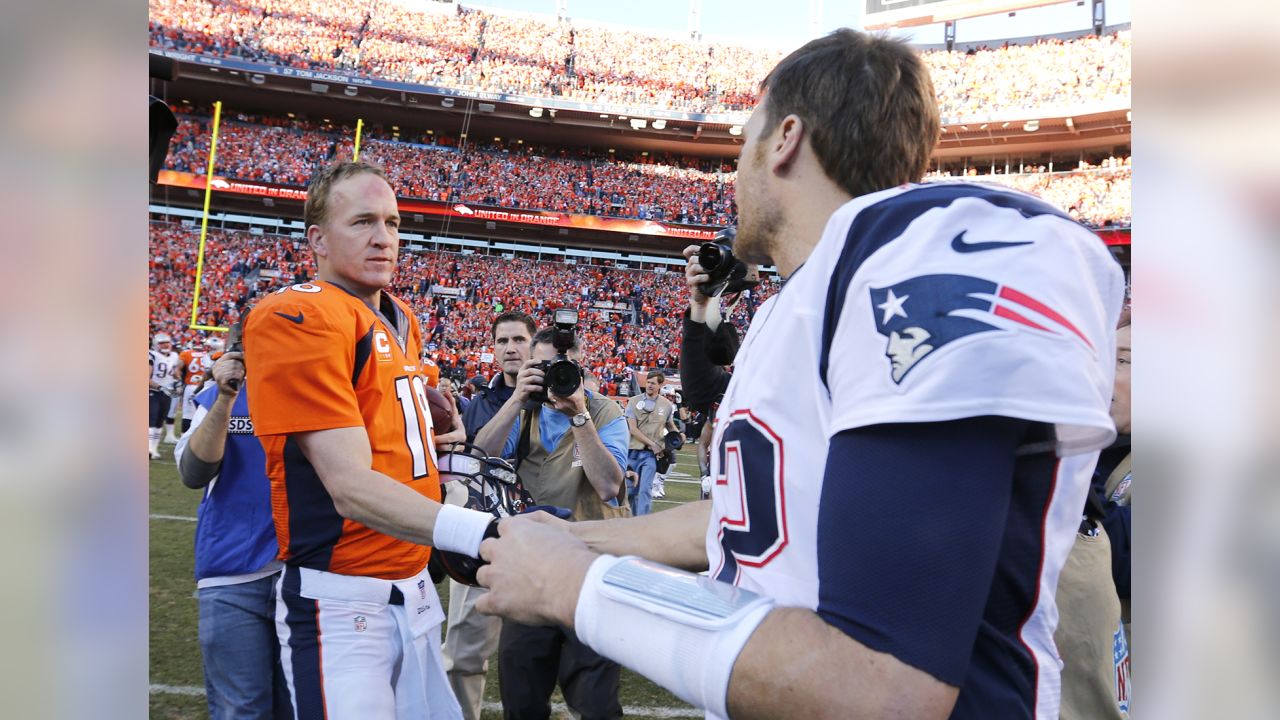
(431, 370)
(338, 398)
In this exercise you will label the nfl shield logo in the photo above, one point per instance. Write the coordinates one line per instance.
(361, 623)
(422, 589)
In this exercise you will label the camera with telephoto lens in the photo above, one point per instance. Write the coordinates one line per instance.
(561, 376)
(726, 272)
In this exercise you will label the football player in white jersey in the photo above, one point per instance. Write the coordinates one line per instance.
(165, 375)
(900, 458)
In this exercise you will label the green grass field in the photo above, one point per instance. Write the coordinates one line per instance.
(177, 679)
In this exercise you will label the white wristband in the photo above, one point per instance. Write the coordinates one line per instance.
(460, 530)
(681, 630)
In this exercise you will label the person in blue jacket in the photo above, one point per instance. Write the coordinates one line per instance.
(235, 551)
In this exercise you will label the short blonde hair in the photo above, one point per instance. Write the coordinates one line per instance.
(316, 210)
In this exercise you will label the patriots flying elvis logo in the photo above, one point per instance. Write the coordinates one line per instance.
(923, 314)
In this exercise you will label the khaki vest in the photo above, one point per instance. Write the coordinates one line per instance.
(650, 423)
(1094, 649)
(556, 477)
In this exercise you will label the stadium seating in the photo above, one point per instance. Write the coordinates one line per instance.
(676, 189)
(239, 265)
(455, 46)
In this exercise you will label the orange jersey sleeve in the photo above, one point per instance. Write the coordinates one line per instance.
(299, 366)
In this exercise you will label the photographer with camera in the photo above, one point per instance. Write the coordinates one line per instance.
(569, 448)
(235, 549)
(709, 341)
(649, 417)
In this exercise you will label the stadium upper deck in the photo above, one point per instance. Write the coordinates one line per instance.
(683, 190)
(454, 47)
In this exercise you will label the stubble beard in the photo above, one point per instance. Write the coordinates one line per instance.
(758, 224)
(758, 235)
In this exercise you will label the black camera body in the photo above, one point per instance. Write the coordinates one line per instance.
(561, 375)
(726, 272)
(235, 341)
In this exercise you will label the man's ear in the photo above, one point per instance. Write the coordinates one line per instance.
(788, 138)
(315, 238)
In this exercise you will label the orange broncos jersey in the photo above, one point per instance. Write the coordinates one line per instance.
(432, 371)
(318, 358)
(195, 363)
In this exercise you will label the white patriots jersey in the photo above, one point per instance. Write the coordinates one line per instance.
(922, 303)
(162, 365)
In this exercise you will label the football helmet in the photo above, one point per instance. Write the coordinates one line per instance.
(160, 339)
(472, 479)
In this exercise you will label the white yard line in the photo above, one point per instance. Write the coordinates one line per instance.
(183, 518)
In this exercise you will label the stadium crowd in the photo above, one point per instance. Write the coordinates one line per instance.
(648, 187)
(453, 295)
(1098, 195)
(460, 47)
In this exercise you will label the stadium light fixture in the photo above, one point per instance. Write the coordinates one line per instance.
(983, 126)
(257, 79)
(964, 127)
(350, 90)
(1005, 125)
(535, 112)
(604, 116)
(623, 117)
(1031, 125)
(552, 112)
(395, 127)
(319, 87)
(446, 102)
(659, 124)
(638, 124)
(735, 130)
(1128, 116)
(486, 107)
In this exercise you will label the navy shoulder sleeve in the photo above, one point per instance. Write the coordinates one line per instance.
(910, 529)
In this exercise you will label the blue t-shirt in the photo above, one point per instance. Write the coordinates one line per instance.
(235, 534)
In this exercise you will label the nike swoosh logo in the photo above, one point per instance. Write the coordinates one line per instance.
(959, 245)
(294, 318)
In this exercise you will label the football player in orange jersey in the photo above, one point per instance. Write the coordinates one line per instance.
(195, 363)
(337, 396)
